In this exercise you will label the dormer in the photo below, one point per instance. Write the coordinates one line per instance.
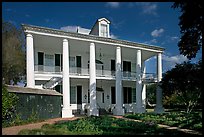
(101, 28)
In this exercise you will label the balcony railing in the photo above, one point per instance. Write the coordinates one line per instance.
(76, 71)
(47, 69)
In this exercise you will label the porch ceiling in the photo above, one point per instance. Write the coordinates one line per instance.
(48, 43)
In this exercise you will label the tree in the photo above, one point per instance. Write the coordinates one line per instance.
(184, 81)
(13, 53)
(151, 94)
(191, 27)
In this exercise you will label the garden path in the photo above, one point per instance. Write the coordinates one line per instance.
(15, 129)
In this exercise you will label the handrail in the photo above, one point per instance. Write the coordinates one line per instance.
(78, 71)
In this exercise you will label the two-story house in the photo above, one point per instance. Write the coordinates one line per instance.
(92, 71)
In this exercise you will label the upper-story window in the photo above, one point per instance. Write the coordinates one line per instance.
(104, 30)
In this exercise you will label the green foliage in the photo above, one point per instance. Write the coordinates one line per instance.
(13, 53)
(84, 126)
(103, 125)
(191, 27)
(182, 84)
(180, 119)
(151, 93)
(9, 101)
(17, 120)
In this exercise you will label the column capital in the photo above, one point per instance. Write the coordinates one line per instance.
(92, 44)
(65, 40)
(29, 35)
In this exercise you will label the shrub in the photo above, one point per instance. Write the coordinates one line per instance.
(9, 101)
(84, 126)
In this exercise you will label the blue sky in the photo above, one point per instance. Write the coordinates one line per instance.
(154, 23)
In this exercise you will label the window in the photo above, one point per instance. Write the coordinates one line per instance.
(127, 95)
(88, 97)
(112, 95)
(58, 62)
(112, 67)
(40, 61)
(72, 62)
(126, 68)
(79, 94)
(49, 60)
(40, 58)
(104, 30)
(133, 95)
(102, 97)
(73, 95)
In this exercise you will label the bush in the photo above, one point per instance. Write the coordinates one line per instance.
(9, 101)
(84, 126)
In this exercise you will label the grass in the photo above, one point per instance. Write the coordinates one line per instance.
(102, 125)
(178, 119)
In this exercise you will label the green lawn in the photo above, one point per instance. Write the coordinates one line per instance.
(102, 125)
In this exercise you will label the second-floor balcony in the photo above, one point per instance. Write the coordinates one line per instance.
(76, 71)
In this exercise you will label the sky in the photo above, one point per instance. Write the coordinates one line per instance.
(154, 23)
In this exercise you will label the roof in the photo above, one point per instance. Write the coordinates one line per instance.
(104, 19)
(27, 90)
(90, 37)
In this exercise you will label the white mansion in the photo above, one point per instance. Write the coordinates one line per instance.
(92, 71)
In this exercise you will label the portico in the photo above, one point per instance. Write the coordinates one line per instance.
(88, 58)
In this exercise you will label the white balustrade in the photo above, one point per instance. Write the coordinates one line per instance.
(126, 75)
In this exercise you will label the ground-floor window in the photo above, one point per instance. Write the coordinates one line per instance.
(102, 97)
(113, 95)
(88, 97)
(127, 95)
(133, 95)
(73, 95)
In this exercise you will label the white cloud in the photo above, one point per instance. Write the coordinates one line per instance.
(113, 36)
(171, 61)
(74, 29)
(153, 41)
(113, 4)
(148, 8)
(157, 33)
(174, 38)
(168, 62)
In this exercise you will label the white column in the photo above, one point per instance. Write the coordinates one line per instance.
(92, 82)
(139, 106)
(159, 67)
(30, 61)
(66, 110)
(118, 84)
(143, 86)
(159, 107)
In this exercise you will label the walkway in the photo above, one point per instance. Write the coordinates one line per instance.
(15, 129)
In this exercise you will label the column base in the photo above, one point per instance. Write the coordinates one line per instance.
(159, 110)
(119, 111)
(139, 110)
(67, 113)
(93, 112)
